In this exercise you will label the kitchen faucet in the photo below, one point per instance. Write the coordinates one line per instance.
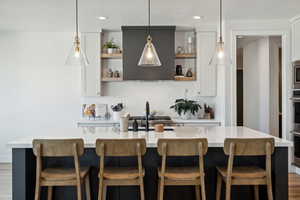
(147, 116)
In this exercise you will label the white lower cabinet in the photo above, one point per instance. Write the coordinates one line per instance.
(91, 81)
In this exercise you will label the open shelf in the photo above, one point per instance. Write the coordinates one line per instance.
(111, 56)
(183, 78)
(112, 79)
(186, 55)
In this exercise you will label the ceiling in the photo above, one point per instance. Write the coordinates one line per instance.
(58, 15)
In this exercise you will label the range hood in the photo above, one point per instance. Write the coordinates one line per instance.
(134, 38)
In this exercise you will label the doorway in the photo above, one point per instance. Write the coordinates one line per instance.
(259, 83)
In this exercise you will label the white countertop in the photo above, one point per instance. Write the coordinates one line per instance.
(174, 120)
(214, 135)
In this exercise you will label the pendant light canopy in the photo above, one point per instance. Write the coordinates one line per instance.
(76, 56)
(149, 56)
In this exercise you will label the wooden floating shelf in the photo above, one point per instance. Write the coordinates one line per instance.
(112, 79)
(111, 56)
(183, 78)
(186, 55)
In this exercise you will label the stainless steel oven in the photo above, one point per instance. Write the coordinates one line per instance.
(297, 149)
(297, 75)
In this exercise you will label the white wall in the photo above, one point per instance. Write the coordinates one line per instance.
(257, 85)
(37, 89)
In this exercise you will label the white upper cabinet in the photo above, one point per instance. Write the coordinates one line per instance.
(91, 83)
(296, 38)
(206, 73)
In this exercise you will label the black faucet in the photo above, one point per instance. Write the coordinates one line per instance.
(147, 116)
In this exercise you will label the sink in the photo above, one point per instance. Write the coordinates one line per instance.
(151, 129)
(150, 118)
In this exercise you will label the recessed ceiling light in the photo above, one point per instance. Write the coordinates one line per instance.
(197, 17)
(103, 18)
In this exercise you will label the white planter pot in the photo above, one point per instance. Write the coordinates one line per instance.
(111, 50)
(188, 115)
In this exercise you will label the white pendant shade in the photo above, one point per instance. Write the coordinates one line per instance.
(76, 56)
(149, 56)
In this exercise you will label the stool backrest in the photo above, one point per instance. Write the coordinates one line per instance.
(58, 148)
(182, 147)
(120, 147)
(249, 147)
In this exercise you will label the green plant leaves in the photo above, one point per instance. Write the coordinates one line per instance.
(182, 106)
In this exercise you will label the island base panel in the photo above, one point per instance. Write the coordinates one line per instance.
(24, 176)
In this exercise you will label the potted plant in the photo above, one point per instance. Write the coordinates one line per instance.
(186, 108)
(110, 46)
(117, 109)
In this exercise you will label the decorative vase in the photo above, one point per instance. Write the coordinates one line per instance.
(116, 116)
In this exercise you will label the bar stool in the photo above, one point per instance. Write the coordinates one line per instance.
(51, 177)
(182, 175)
(246, 175)
(120, 176)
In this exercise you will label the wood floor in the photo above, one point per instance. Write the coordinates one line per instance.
(6, 182)
(294, 187)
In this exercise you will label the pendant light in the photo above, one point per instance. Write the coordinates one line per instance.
(219, 55)
(76, 56)
(149, 56)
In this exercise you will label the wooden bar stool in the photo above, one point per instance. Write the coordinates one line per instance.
(120, 176)
(182, 175)
(246, 175)
(51, 177)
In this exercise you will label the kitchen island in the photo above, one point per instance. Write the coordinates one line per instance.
(24, 163)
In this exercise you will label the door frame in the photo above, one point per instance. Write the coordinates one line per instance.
(286, 74)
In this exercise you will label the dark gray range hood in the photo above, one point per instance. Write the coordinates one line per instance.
(134, 40)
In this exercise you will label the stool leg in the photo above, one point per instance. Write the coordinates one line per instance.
(219, 187)
(142, 189)
(87, 188)
(269, 188)
(37, 195)
(161, 190)
(203, 193)
(79, 191)
(50, 192)
(104, 192)
(158, 189)
(100, 191)
(197, 191)
(228, 189)
(256, 192)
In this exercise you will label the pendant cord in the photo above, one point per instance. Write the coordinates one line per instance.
(221, 21)
(149, 20)
(77, 31)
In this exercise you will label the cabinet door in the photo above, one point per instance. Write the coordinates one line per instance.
(91, 82)
(296, 39)
(206, 73)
